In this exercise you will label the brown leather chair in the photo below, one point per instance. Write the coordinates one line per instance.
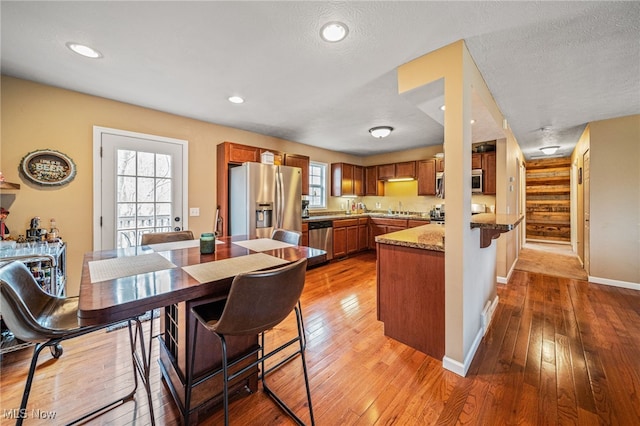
(165, 237)
(33, 315)
(257, 301)
(284, 235)
(295, 238)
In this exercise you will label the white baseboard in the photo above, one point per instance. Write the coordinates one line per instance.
(505, 280)
(459, 368)
(614, 283)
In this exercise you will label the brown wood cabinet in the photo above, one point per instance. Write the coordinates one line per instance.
(410, 285)
(305, 234)
(346, 179)
(476, 161)
(372, 185)
(302, 161)
(427, 177)
(489, 172)
(412, 223)
(349, 236)
(363, 233)
(439, 165)
(406, 169)
(386, 171)
(380, 226)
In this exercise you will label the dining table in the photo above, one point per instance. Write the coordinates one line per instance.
(171, 278)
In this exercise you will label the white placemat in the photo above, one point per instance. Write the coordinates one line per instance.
(220, 269)
(119, 267)
(263, 244)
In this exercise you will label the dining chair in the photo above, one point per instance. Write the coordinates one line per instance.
(34, 316)
(257, 301)
(295, 238)
(287, 236)
(166, 237)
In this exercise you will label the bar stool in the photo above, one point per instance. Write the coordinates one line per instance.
(257, 301)
(35, 316)
(295, 238)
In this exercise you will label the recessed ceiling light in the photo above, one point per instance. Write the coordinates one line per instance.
(334, 31)
(473, 121)
(549, 150)
(442, 108)
(236, 99)
(380, 131)
(86, 51)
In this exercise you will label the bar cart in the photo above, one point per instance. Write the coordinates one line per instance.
(48, 264)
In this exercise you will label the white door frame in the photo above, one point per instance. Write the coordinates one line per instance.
(97, 175)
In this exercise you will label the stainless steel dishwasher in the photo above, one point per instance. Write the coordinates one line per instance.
(321, 236)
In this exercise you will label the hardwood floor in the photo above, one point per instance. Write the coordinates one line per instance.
(559, 351)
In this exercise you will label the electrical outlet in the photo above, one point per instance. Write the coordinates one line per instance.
(194, 211)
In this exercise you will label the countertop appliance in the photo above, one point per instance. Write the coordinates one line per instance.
(321, 236)
(263, 197)
(305, 209)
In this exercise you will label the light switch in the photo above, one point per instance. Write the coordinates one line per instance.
(194, 211)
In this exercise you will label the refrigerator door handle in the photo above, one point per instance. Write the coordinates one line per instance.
(281, 203)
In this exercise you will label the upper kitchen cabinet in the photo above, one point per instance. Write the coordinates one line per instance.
(236, 153)
(405, 169)
(489, 171)
(302, 161)
(476, 161)
(346, 180)
(427, 177)
(439, 165)
(372, 185)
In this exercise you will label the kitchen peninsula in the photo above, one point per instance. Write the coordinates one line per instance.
(411, 280)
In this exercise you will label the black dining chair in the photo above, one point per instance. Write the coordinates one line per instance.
(257, 301)
(166, 237)
(34, 316)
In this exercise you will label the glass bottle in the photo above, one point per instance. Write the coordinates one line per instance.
(53, 234)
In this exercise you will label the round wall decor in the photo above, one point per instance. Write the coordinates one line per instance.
(48, 167)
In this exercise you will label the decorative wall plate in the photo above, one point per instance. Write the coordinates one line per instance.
(48, 167)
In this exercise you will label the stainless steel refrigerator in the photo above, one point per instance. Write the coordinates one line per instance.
(263, 197)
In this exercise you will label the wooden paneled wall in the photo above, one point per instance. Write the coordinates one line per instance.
(548, 202)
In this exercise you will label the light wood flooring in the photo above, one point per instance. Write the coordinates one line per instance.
(559, 351)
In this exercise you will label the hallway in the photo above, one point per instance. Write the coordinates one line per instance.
(550, 259)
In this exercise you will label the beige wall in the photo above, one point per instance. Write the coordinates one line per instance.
(470, 272)
(615, 201)
(36, 116)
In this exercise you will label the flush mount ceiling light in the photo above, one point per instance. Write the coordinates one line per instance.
(380, 131)
(550, 150)
(235, 99)
(86, 51)
(334, 31)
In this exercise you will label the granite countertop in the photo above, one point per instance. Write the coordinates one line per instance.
(431, 237)
(425, 237)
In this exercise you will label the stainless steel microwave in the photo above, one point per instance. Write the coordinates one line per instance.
(476, 180)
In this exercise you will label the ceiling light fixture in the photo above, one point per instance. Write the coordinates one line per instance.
(334, 31)
(380, 131)
(86, 51)
(550, 150)
(443, 107)
(235, 99)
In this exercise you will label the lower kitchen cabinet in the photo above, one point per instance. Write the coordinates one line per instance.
(380, 226)
(305, 234)
(349, 236)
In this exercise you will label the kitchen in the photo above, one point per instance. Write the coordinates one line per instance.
(65, 118)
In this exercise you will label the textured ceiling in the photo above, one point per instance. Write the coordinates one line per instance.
(548, 64)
